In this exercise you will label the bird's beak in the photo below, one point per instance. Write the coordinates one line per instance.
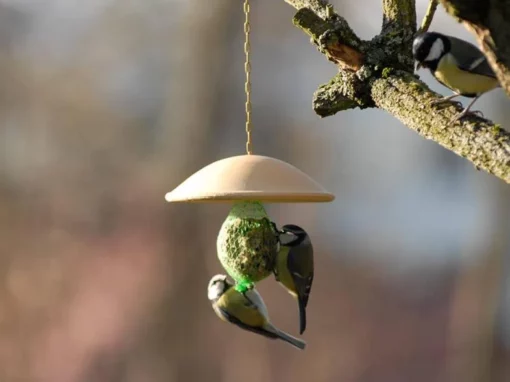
(417, 66)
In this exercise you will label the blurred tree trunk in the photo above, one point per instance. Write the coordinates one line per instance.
(187, 142)
(87, 222)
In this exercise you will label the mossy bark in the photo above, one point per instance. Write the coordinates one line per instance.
(407, 99)
(399, 15)
(378, 73)
(344, 91)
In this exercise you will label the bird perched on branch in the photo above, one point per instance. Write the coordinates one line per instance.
(457, 64)
(246, 310)
(294, 267)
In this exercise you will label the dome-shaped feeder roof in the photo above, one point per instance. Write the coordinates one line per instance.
(249, 177)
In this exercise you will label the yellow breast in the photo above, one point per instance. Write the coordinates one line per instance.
(461, 81)
(284, 275)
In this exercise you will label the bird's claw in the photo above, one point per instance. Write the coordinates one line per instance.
(436, 102)
(465, 113)
(275, 228)
(443, 101)
(456, 118)
(476, 112)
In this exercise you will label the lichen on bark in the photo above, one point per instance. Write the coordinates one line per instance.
(399, 15)
(344, 91)
(408, 100)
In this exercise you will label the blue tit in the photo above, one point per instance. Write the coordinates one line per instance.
(455, 63)
(246, 310)
(294, 267)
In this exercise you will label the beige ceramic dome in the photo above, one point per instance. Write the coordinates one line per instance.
(249, 177)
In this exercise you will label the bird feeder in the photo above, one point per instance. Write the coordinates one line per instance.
(247, 243)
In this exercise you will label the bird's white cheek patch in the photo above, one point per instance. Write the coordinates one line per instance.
(436, 50)
(214, 292)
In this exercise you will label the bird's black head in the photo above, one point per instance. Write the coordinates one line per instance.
(292, 228)
(297, 231)
(429, 48)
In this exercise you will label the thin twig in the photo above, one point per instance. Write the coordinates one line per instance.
(429, 15)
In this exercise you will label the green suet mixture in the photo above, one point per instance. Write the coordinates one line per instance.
(247, 244)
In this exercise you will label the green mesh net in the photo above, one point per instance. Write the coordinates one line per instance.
(247, 244)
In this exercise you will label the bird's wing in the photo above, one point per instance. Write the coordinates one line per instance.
(470, 58)
(242, 306)
(300, 265)
(232, 319)
(258, 303)
(238, 310)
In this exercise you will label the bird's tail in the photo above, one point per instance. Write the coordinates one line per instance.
(302, 316)
(300, 344)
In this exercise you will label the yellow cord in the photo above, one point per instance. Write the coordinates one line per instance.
(247, 69)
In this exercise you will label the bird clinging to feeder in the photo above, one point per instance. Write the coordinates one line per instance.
(294, 267)
(246, 310)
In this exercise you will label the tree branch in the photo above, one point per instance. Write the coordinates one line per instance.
(399, 26)
(319, 7)
(378, 73)
(480, 141)
(490, 22)
(344, 91)
(336, 40)
(429, 15)
(399, 15)
(341, 47)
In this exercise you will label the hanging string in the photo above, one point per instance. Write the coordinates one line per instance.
(247, 70)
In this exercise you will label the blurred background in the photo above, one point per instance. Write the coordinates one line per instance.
(105, 105)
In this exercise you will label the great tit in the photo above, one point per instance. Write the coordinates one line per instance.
(246, 310)
(455, 63)
(294, 267)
